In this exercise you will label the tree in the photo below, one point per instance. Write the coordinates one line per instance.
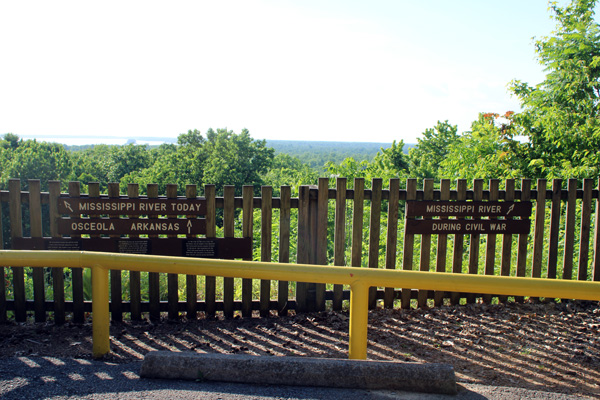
(235, 159)
(425, 158)
(483, 152)
(31, 159)
(560, 117)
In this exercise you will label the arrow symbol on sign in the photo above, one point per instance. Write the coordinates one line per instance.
(68, 206)
(189, 226)
(510, 209)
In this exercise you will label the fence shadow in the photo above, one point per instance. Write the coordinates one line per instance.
(546, 347)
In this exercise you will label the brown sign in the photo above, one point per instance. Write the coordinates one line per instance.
(144, 206)
(471, 226)
(468, 208)
(127, 226)
(193, 247)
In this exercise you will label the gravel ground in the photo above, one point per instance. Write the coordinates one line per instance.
(73, 378)
(543, 348)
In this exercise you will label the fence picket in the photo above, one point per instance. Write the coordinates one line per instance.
(357, 222)
(538, 236)
(506, 255)
(374, 233)
(425, 256)
(321, 239)
(247, 224)
(266, 217)
(409, 244)
(172, 279)
(522, 243)
(339, 238)
(303, 244)
(58, 275)
(457, 253)
(284, 247)
(116, 282)
(35, 223)
(596, 263)
(135, 292)
(153, 277)
(16, 230)
(210, 282)
(490, 243)
(584, 235)
(554, 228)
(77, 273)
(191, 281)
(442, 244)
(569, 248)
(392, 238)
(228, 232)
(474, 239)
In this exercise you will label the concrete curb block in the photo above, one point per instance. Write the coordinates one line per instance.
(300, 371)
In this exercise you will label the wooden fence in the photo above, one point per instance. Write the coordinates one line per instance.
(347, 224)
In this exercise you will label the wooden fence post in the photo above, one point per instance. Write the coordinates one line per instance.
(409, 244)
(116, 284)
(569, 246)
(523, 237)
(374, 233)
(339, 239)
(596, 267)
(16, 231)
(266, 218)
(321, 238)
(35, 223)
(442, 244)
(505, 261)
(228, 232)
(191, 281)
(303, 244)
(284, 247)
(459, 239)
(247, 224)
(172, 279)
(77, 273)
(584, 235)
(425, 254)
(554, 228)
(135, 292)
(210, 282)
(475, 238)
(153, 277)
(58, 275)
(392, 238)
(2, 273)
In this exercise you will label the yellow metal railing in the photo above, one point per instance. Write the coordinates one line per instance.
(359, 279)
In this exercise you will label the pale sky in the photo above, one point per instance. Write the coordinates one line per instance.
(373, 71)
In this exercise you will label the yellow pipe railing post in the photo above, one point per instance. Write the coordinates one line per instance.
(100, 313)
(359, 320)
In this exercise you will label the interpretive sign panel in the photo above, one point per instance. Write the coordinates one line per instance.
(481, 226)
(500, 217)
(193, 247)
(141, 206)
(127, 226)
(468, 208)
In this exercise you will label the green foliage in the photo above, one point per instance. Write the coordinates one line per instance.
(235, 159)
(425, 158)
(484, 152)
(317, 154)
(387, 163)
(32, 160)
(561, 114)
(288, 170)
